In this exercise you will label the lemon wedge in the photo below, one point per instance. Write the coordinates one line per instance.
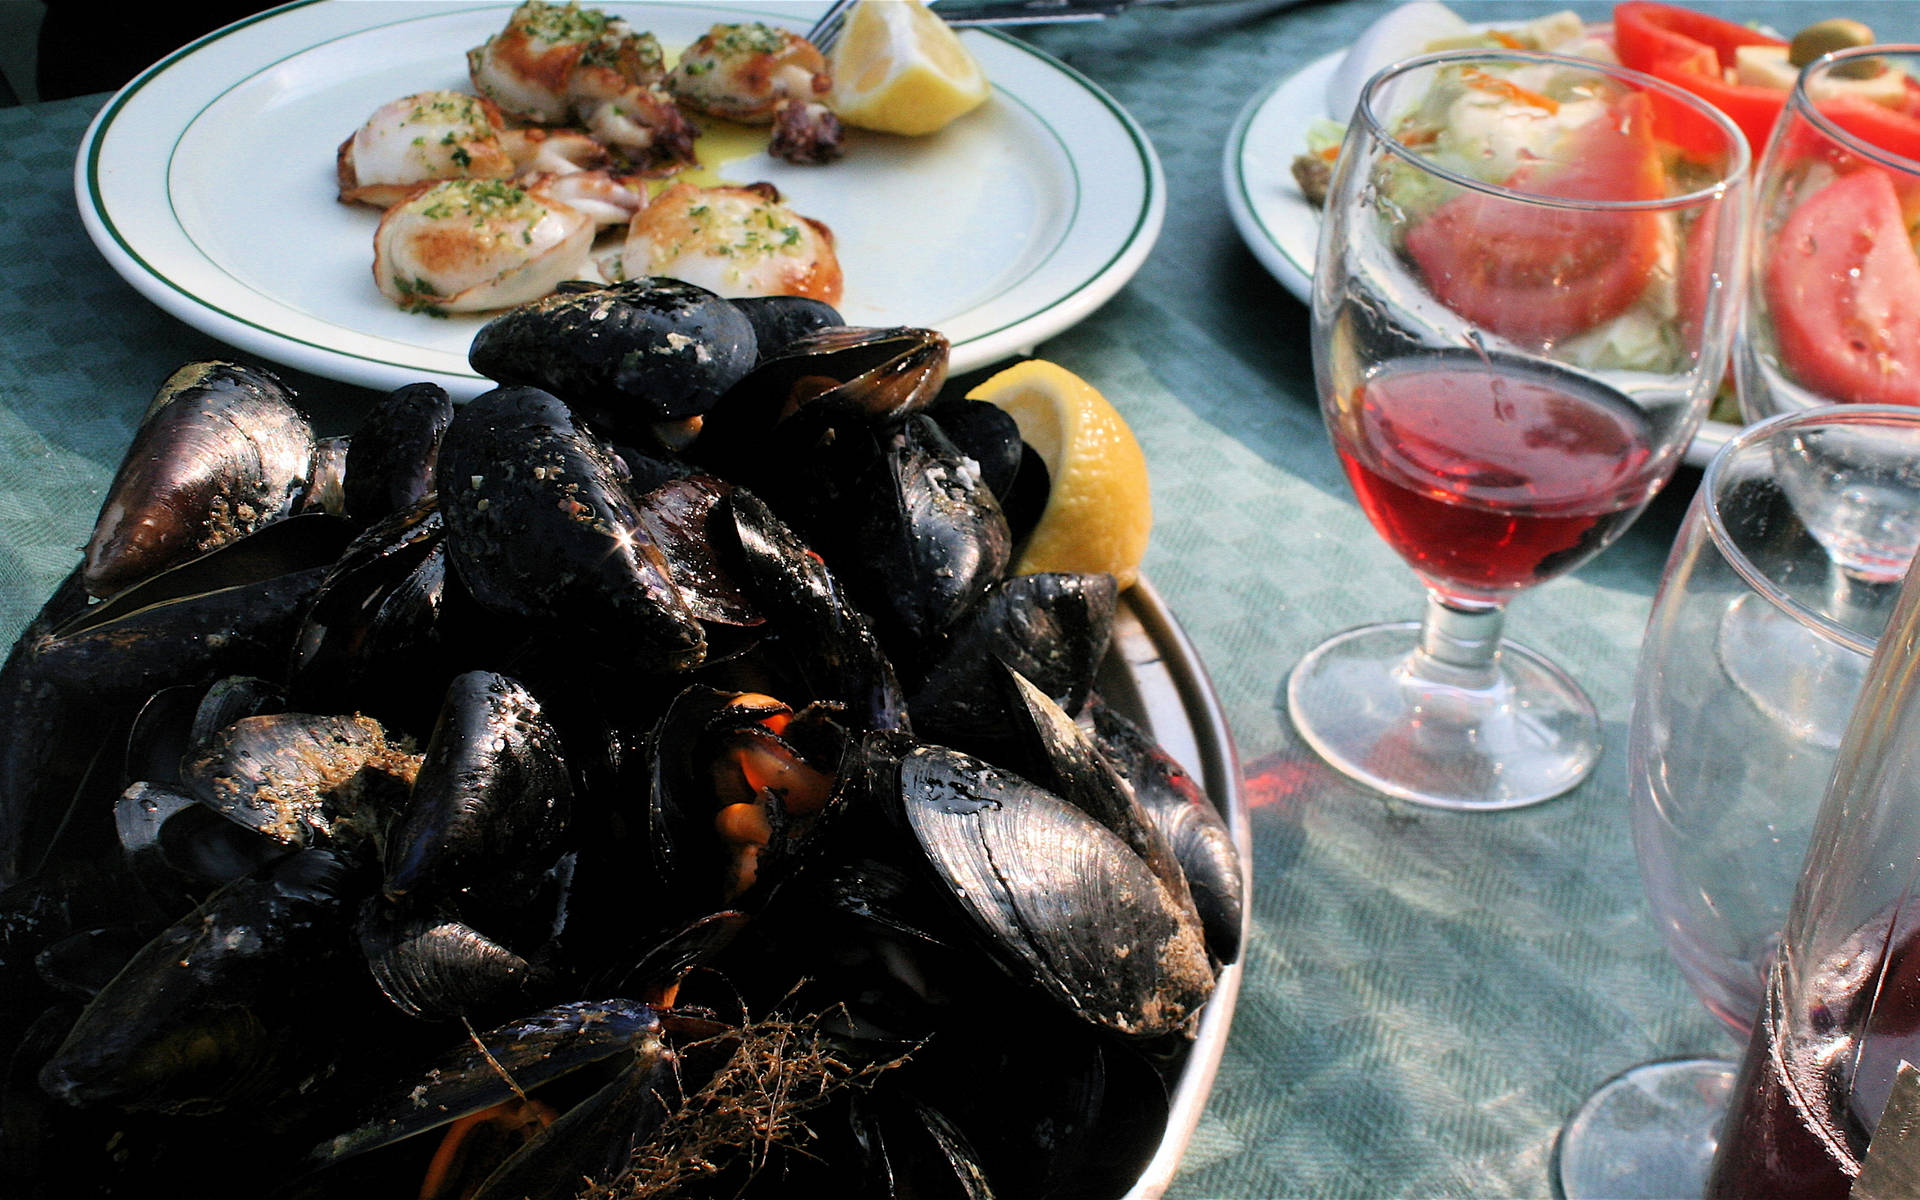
(899, 68)
(1099, 511)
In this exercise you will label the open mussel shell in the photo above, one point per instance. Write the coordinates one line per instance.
(626, 354)
(222, 450)
(374, 635)
(885, 372)
(829, 646)
(1062, 758)
(228, 612)
(902, 518)
(695, 754)
(522, 1055)
(872, 375)
(1056, 897)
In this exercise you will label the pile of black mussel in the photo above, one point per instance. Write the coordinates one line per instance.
(439, 808)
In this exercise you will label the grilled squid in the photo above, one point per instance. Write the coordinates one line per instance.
(420, 138)
(733, 241)
(554, 64)
(467, 245)
(743, 72)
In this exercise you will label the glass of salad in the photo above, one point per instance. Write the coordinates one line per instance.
(1522, 308)
(1833, 274)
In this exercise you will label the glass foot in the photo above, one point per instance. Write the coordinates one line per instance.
(1522, 734)
(1646, 1134)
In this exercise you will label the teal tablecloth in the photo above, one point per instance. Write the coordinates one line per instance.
(1427, 996)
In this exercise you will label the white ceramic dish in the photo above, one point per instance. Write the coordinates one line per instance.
(1273, 217)
(208, 184)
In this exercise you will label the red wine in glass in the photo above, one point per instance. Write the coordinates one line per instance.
(1489, 475)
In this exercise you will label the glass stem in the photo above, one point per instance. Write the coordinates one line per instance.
(1459, 647)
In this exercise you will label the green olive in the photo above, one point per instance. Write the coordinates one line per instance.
(1835, 33)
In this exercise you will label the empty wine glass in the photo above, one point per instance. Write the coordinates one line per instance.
(1841, 1020)
(1522, 307)
(1832, 274)
(1754, 655)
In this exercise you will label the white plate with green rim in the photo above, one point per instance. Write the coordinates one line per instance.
(208, 184)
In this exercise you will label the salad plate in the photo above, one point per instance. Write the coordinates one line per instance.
(208, 184)
(1275, 220)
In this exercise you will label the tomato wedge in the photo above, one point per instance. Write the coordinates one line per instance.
(1692, 51)
(1841, 284)
(1534, 272)
(1893, 129)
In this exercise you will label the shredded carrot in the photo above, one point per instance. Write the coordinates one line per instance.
(1510, 89)
(1507, 40)
(1330, 153)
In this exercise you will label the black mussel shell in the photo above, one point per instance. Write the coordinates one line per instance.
(479, 1072)
(391, 455)
(779, 321)
(870, 375)
(1200, 838)
(222, 450)
(373, 636)
(912, 531)
(220, 1008)
(52, 744)
(985, 433)
(1058, 898)
(541, 527)
(438, 967)
(1053, 628)
(626, 354)
(491, 800)
(832, 652)
(326, 489)
(228, 612)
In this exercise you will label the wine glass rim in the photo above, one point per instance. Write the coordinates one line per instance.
(1739, 154)
(1801, 103)
(1831, 414)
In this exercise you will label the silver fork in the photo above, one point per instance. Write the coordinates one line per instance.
(826, 31)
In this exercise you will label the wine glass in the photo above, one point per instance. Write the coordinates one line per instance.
(1841, 1019)
(1755, 653)
(1522, 308)
(1832, 275)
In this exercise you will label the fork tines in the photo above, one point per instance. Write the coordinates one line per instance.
(826, 31)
